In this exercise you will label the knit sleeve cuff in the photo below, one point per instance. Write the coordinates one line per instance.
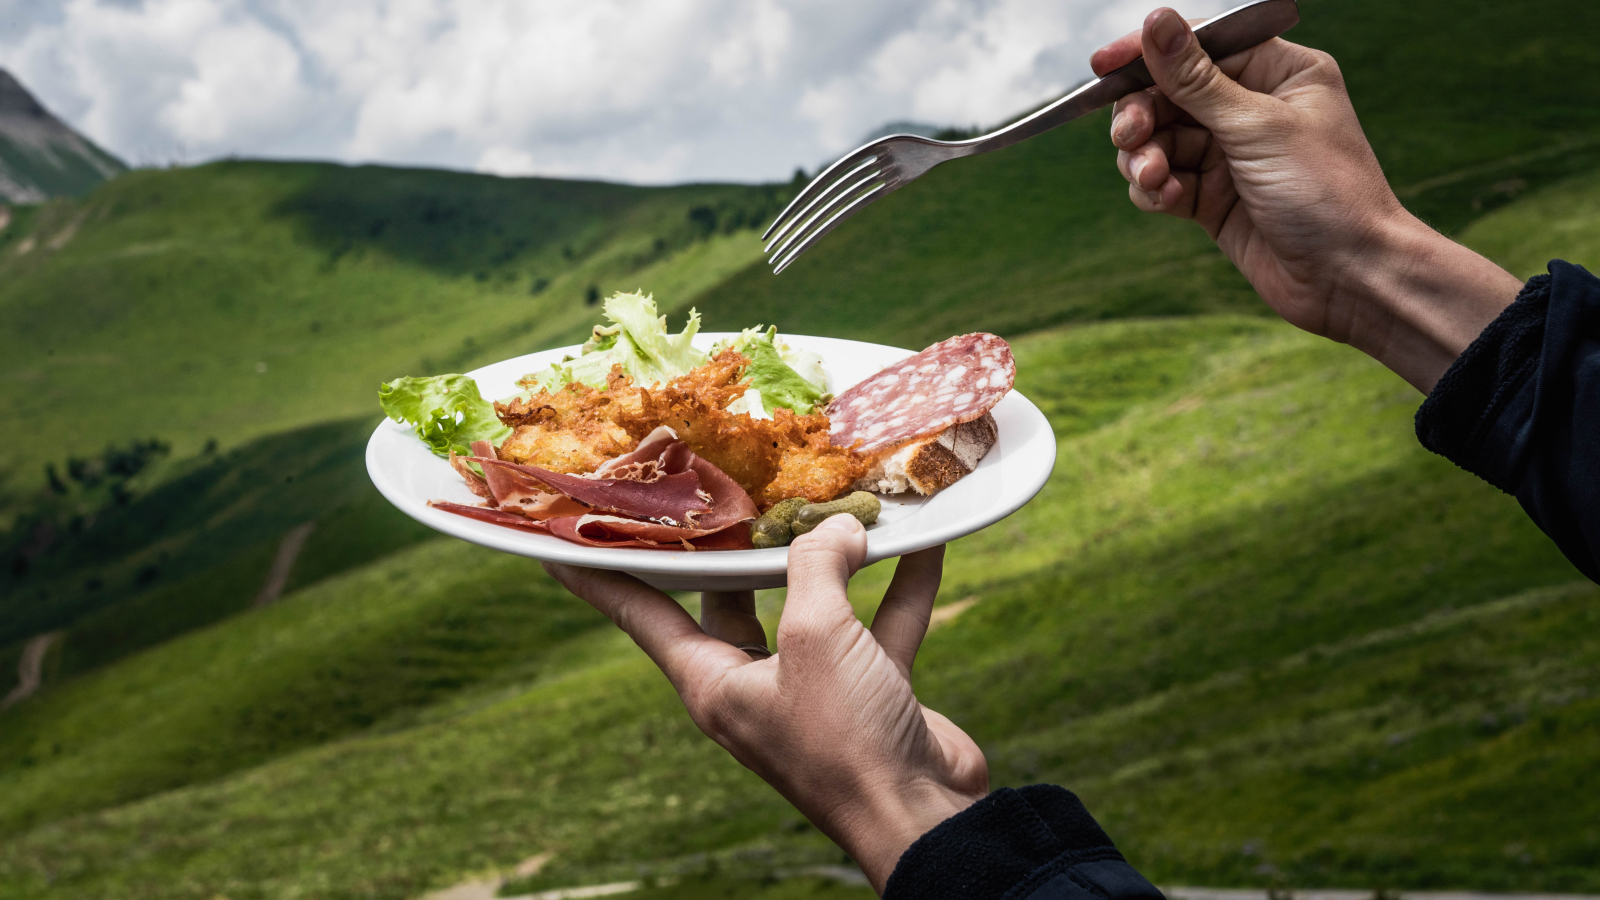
(1033, 843)
(1476, 416)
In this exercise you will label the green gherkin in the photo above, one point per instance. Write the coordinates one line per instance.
(861, 504)
(772, 529)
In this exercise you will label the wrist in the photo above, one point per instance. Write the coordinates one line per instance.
(887, 820)
(1418, 298)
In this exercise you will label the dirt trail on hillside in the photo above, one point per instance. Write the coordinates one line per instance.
(283, 564)
(30, 669)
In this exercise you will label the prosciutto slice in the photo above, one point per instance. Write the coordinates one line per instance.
(509, 489)
(519, 489)
(660, 449)
(475, 482)
(493, 516)
(674, 500)
(658, 496)
(613, 531)
(729, 505)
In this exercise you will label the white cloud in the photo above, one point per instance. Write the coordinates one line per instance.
(231, 63)
(655, 91)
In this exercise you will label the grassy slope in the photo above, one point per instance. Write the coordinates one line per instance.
(1466, 108)
(195, 547)
(1213, 625)
(239, 299)
(1561, 223)
(244, 302)
(346, 654)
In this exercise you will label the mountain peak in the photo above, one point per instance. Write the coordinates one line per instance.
(15, 99)
(41, 156)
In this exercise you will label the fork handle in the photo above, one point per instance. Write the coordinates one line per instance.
(1232, 32)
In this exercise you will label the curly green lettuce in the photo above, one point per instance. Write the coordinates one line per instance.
(637, 340)
(446, 411)
(780, 375)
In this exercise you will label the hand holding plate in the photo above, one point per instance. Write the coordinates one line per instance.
(830, 721)
(730, 616)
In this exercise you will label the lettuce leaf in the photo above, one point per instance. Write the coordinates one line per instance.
(446, 411)
(784, 376)
(637, 340)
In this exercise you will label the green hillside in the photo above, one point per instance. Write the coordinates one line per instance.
(1267, 637)
(240, 299)
(1247, 601)
(242, 315)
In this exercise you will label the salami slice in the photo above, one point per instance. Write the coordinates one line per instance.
(952, 382)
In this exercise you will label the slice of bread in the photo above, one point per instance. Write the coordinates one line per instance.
(929, 465)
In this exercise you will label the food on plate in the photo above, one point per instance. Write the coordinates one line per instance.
(657, 496)
(864, 506)
(571, 429)
(644, 441)
(773, 528)
(446, 411)
(779, 375)
(905, 420)
(576, 428)
(792, 518)
(637, 340)
(929, 465)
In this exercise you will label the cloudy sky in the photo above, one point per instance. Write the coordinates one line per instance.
(647, 91)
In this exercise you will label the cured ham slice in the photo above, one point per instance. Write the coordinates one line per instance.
(674, 500)
(507, 488)
(493, 516)
(517, 490)
(613, 531)
(658, 496)
(659, 450)
(730, 506)
(475, 482)
(951, 383)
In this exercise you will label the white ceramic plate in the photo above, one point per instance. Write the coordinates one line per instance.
(409, 475)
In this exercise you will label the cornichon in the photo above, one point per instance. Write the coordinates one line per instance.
(862, 505)
(772, 529)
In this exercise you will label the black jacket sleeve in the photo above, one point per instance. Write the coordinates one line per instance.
(1521, 409)
(1033, 843)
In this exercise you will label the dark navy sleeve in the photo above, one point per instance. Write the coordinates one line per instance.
(1033, 843)
(1521, 409)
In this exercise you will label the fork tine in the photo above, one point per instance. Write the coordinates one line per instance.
(777, 248)
(824, 197)
(838, 219)
(824, 178)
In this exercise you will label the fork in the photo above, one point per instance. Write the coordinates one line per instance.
(885, 165)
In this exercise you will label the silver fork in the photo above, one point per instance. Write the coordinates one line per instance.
(887, 164)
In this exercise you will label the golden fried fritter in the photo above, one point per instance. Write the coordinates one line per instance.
(812, 467)
(569, 431)
(577, 428)
(772, 459)
(693, 406)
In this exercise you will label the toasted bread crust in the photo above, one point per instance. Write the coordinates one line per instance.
(951, 456)
(929, 465)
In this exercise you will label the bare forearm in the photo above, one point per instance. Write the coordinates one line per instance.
(1421, 298)
(877, 830)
